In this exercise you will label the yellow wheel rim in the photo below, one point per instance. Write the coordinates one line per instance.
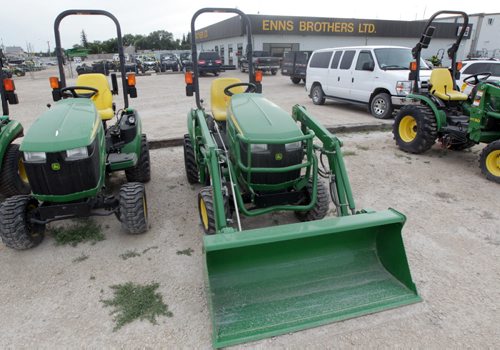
(204, 214)
(22, 171)
(408, 128)
(493, 163)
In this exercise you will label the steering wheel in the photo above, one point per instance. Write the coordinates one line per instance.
(73, 93)
(476, 78)
(250, 88)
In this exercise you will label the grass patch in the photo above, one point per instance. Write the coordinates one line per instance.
(81, 258)
(188, 252)
(129, 254)
(348, 153)
(80, 231)
(136, 302)
(362, 148)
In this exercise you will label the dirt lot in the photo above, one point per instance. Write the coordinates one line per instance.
(49, 298)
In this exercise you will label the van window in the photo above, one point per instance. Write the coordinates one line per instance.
(336, 59)
(364, 59)
(347, 59)
(321, 59)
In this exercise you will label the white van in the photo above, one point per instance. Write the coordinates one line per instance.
(373, 75)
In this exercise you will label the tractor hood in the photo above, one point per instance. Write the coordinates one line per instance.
(255, 117)
(69, 123)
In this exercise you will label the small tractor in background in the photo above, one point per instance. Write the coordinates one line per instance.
(253, 158)
(439, 111)
(69, 151)
(13, 179)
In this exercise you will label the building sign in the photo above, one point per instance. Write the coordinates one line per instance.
(283, 25)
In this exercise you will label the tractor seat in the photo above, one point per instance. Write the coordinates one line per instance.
(442, 86)
(103, 100)
(219, 100)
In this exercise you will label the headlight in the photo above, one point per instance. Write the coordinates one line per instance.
(131, 119)
(403, 87)
(77, 153)
(258, 147)
(35, 157)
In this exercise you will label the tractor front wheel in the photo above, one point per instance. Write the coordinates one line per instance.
(16, 230)
(320, 210)
(13, 178)
(190, 164)
(142, 171)
(133, 208)
(415, 129)
(489, 161)
(206, 210)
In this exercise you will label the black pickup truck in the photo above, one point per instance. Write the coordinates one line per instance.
(295, 65)
(262, 60)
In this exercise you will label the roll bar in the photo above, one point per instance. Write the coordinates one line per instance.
(194, 51)
(59, 53)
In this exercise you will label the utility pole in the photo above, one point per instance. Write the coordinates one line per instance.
(48, 48)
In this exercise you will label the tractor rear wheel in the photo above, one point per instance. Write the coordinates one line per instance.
(206, 210)
(415, 128)
(489, 161)
(142, 171)
(13, 178)
(320, 210)
(190, 161)
(133, 208)
(15, 229)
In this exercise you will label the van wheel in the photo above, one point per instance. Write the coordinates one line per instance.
(381, 106)
(317, 95)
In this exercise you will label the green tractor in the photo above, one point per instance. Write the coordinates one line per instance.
(253, 158)
(70, 149)
(439, 111)
(13, 179)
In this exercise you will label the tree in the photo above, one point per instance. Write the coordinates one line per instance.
(83, 38)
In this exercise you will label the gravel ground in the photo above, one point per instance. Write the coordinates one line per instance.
(452, 240)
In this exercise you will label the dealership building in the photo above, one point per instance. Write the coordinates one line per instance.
(279, 34)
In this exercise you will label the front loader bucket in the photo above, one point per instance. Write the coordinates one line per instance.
(281, 279)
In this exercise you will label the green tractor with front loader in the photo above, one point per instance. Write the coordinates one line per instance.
(438, 110)
(69, 151)
(253, 158)
(13, 178)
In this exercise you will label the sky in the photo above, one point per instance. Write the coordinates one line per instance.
(30, 22)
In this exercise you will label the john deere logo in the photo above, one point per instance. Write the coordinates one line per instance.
(56, 166)
(278, 156)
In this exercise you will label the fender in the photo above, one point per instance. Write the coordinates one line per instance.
(440, 115)
(8, 133)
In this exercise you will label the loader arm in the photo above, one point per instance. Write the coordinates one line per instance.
(331, 148)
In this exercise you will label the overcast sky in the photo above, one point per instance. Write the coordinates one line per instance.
(31, 21)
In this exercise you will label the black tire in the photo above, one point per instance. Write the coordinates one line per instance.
(461, 146)
(163, 69)
(15, 230)
(216, 74)
(274, 71)
(304, 80)
(206, 210)
(190, 164)
(489, 161)
(320, 210)
(424, 132)
(295, 80)
(381, 106)
(317, 95)
(142, 171)
(13, 179)
(133, 208)
(242, 70)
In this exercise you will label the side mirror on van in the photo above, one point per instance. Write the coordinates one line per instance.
(370, 66)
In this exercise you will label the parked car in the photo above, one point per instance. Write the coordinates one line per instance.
(376, 76)
(149, 63)
(294, 65)
(471, 67)
(169, 61)
(209, 62)
(262, 60)
(186, 61)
